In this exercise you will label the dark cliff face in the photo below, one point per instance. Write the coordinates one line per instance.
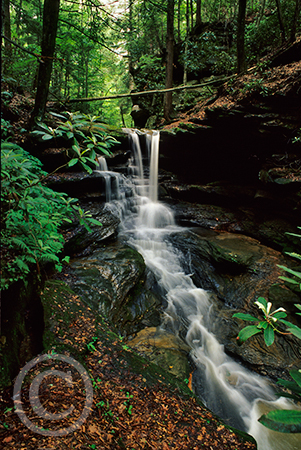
(235, 144)
(252, 124)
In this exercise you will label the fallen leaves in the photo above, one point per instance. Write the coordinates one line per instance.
(127, 413)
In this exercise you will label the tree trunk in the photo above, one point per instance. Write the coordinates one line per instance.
(241, 56)
(295, 20)
(191, 13)
(50, 21)
(261, 12)
(187, 17)
(179, 20)
(281, 23)
(5, 13)
(87, 74)
(198, 18)
(18, 17)
(169, 59)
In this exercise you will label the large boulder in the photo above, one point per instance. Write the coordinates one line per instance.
(112, 279)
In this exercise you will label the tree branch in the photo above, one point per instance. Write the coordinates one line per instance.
(23, 49)
(154, 91)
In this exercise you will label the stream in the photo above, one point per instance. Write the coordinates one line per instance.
(228, 389)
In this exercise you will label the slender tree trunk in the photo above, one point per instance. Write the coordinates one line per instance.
(87, 73)
(295, 20)
(281, 23)
(186, 43)
(179, 20)
(169, 59)
(6, 30)
(50, 21)
(198, 18)
(18, 17)
(187, 17)
(191, 13)
(261, 12)
(131, 67)
(241, 56)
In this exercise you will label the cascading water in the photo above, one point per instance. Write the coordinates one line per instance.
(226, 387)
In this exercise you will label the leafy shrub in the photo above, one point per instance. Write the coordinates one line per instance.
(5, 127)
(31, 216)
(205, 53)
(86, 135)
(256, 85)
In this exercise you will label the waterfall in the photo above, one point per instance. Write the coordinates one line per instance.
(102, 163)
(234, 393)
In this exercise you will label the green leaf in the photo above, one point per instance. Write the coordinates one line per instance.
(269, 335)
(294, 255)
(247, 332)
(57, 115)
(47, 137)
(289, 280)
(94, 221)
(87, 168)
(290, 385)
(296, 375)
(283, 421)
(263, 325)
(299, 307)
(292, 272)
(279, 315)
(263, 301)
(295, 331)
(72, 162)
(245, 317)
(76, 149)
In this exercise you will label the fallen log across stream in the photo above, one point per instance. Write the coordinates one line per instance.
(153, 91)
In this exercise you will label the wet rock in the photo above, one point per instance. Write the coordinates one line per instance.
(113, 280)
(270, 228)
(105, 278)
(164, 349)
(237, 270)
(78, 240)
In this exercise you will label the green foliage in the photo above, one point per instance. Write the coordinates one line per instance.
(257, 85)
(5, 128)
(260, 36)
(85, 135)
(270, 324)
(205, 52)
(31, 216)
(296, 279)
(284, 421)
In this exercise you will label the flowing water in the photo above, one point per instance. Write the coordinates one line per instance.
(232, 392)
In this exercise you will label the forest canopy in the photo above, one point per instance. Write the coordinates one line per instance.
(105, 47)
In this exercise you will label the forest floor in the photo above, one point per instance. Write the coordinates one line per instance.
(136, 405)
(251, 88)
